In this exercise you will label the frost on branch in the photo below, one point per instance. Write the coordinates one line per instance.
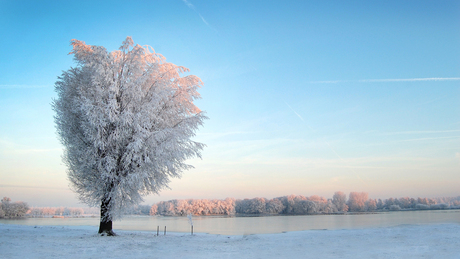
(126, 119)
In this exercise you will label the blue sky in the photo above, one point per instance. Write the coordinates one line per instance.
(304, 97)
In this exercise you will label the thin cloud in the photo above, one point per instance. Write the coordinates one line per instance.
(202, 18)
(388, 80)
(298, 115)
(191, 6)
(422, 139)
(419, 132)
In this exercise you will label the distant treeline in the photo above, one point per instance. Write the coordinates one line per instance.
(10, 209)
(299, 205)
(40, 212)
(286, 205)
(19, 209)
(79, 212)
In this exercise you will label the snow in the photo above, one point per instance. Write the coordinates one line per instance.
(404, 241)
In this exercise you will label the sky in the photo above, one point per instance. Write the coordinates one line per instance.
(303, 97)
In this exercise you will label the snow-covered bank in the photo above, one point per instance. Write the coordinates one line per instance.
(406, 241)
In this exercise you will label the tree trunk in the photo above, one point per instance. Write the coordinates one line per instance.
(105, 226)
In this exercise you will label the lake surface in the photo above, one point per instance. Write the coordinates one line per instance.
(258, 225)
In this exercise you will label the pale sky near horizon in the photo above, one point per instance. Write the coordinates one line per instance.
(304, 97)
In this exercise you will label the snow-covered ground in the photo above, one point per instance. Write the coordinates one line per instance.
(405, 241)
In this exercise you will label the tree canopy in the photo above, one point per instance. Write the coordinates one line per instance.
(126, 119)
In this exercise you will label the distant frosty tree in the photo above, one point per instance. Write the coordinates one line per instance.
(250, 206)
(371, 205)
(48, 211)
(126, 119)
(229, 206)
(36, 212)
(256, 206)
(395, 207)
(153, 210)
(304, 207)
(330, 207)
(143, 210)
(440, 206)
(289, 202)
(13, 209)
(275, 206)
(340, 201)
(380, 204)
(18, 209)
(406, 202)
(389, 202)
(357, 201)
(5, 207)
(181, 207)
(317, 199)
(75, 212)
(420, 206)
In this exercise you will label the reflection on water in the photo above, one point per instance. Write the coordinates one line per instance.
(258, 225)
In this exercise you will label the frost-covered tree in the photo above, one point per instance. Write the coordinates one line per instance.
(321, 203)
(5, 206)
(380, 204)
(143, 210)
(251, 206)
(405, 202)
(153, 210)
(389, 202)
(304, 207)
(357, 201)
(274, 206)
(340, 201)
(330, 207)
(371, 205)
(289, 202)
(10, 209)
(395, 207)
(126, 119)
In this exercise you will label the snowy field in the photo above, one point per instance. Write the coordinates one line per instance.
(406, 241)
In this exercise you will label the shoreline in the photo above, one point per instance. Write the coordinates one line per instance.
(256, 225)
(243, 215)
